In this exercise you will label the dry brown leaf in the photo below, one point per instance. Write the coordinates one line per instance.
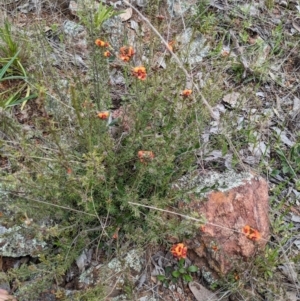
(201, 293)
(126, 15)
(290, 296)
(296, 24)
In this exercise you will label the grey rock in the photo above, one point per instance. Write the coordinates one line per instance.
(116, 30)
(194, 46)
(177, 8)
(116, 77)
(140, 3)
(71, 28)
(17, 241)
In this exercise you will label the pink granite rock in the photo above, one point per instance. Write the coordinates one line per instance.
(235, 201)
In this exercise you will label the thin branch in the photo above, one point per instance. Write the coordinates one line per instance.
(190, 218)
(46, 203)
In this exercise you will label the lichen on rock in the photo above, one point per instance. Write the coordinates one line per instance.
(18, 241)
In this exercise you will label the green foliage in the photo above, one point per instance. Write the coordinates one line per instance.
(201, 10)
(269, 4)
(13, 96)
(290, 162)
(278, 39)
(205, 21)
(5, 68)
(153, 8)
(208, 22)
(11, 69)
(9, 47)
(174, 274)
(104, 13)
(266, 265)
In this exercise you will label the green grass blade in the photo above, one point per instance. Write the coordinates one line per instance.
(4, 69)
(12, 77)
(24, 99)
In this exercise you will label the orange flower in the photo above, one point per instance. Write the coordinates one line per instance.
(215, 248)
(179, 250)
(123, 50)
(186, 93)
(139, 72)
(246, 230)
(126, 53)
(130, 51)
(251, 233)
(236, 276)
(101, 43)
(103, 115)
(145, 156)
(170, 45)
(116, 235)
(125, 58)
(107, 53)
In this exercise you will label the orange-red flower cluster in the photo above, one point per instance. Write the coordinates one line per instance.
(139, 72)
(145, 156)
(126, 53)
(236, 276)
(101, 43)
(186, 93)
(103, 115)
(179, 250)
(251, 233)
(107, 53)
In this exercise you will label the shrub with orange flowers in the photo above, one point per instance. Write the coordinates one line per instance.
(101, 43)
(186, 93)
(179, 250)
(251, 233)
(103, 115)
(126, 53)
(139, 72)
